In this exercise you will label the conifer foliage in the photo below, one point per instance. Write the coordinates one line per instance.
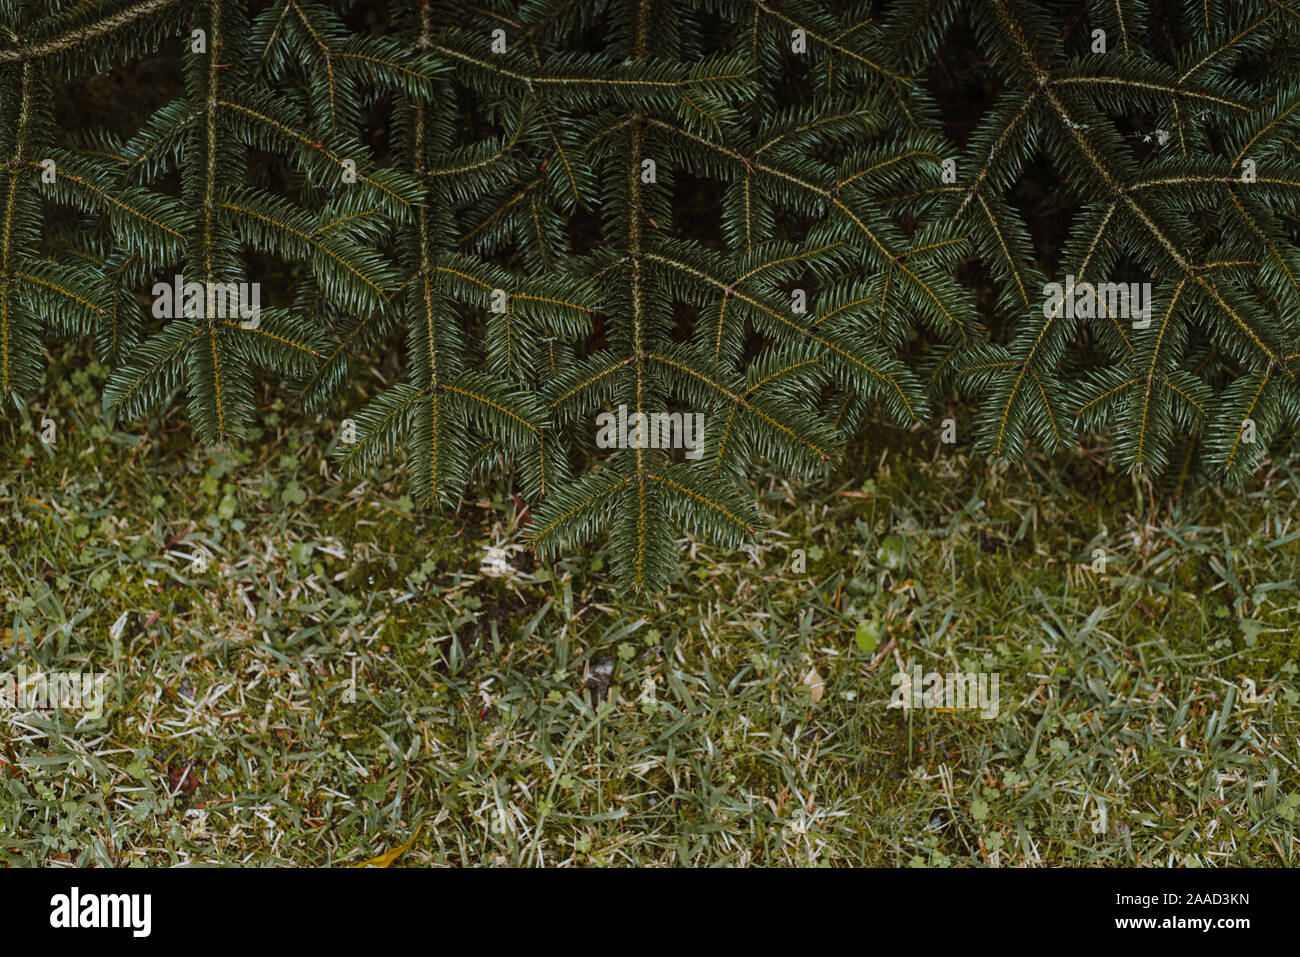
(780, 218)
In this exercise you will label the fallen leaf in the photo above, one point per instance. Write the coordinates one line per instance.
(181, 778)
(816, 686)
(383, 860)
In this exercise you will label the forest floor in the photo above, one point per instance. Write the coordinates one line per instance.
(308, 670)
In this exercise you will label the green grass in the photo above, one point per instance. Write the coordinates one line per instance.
(228, 735)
